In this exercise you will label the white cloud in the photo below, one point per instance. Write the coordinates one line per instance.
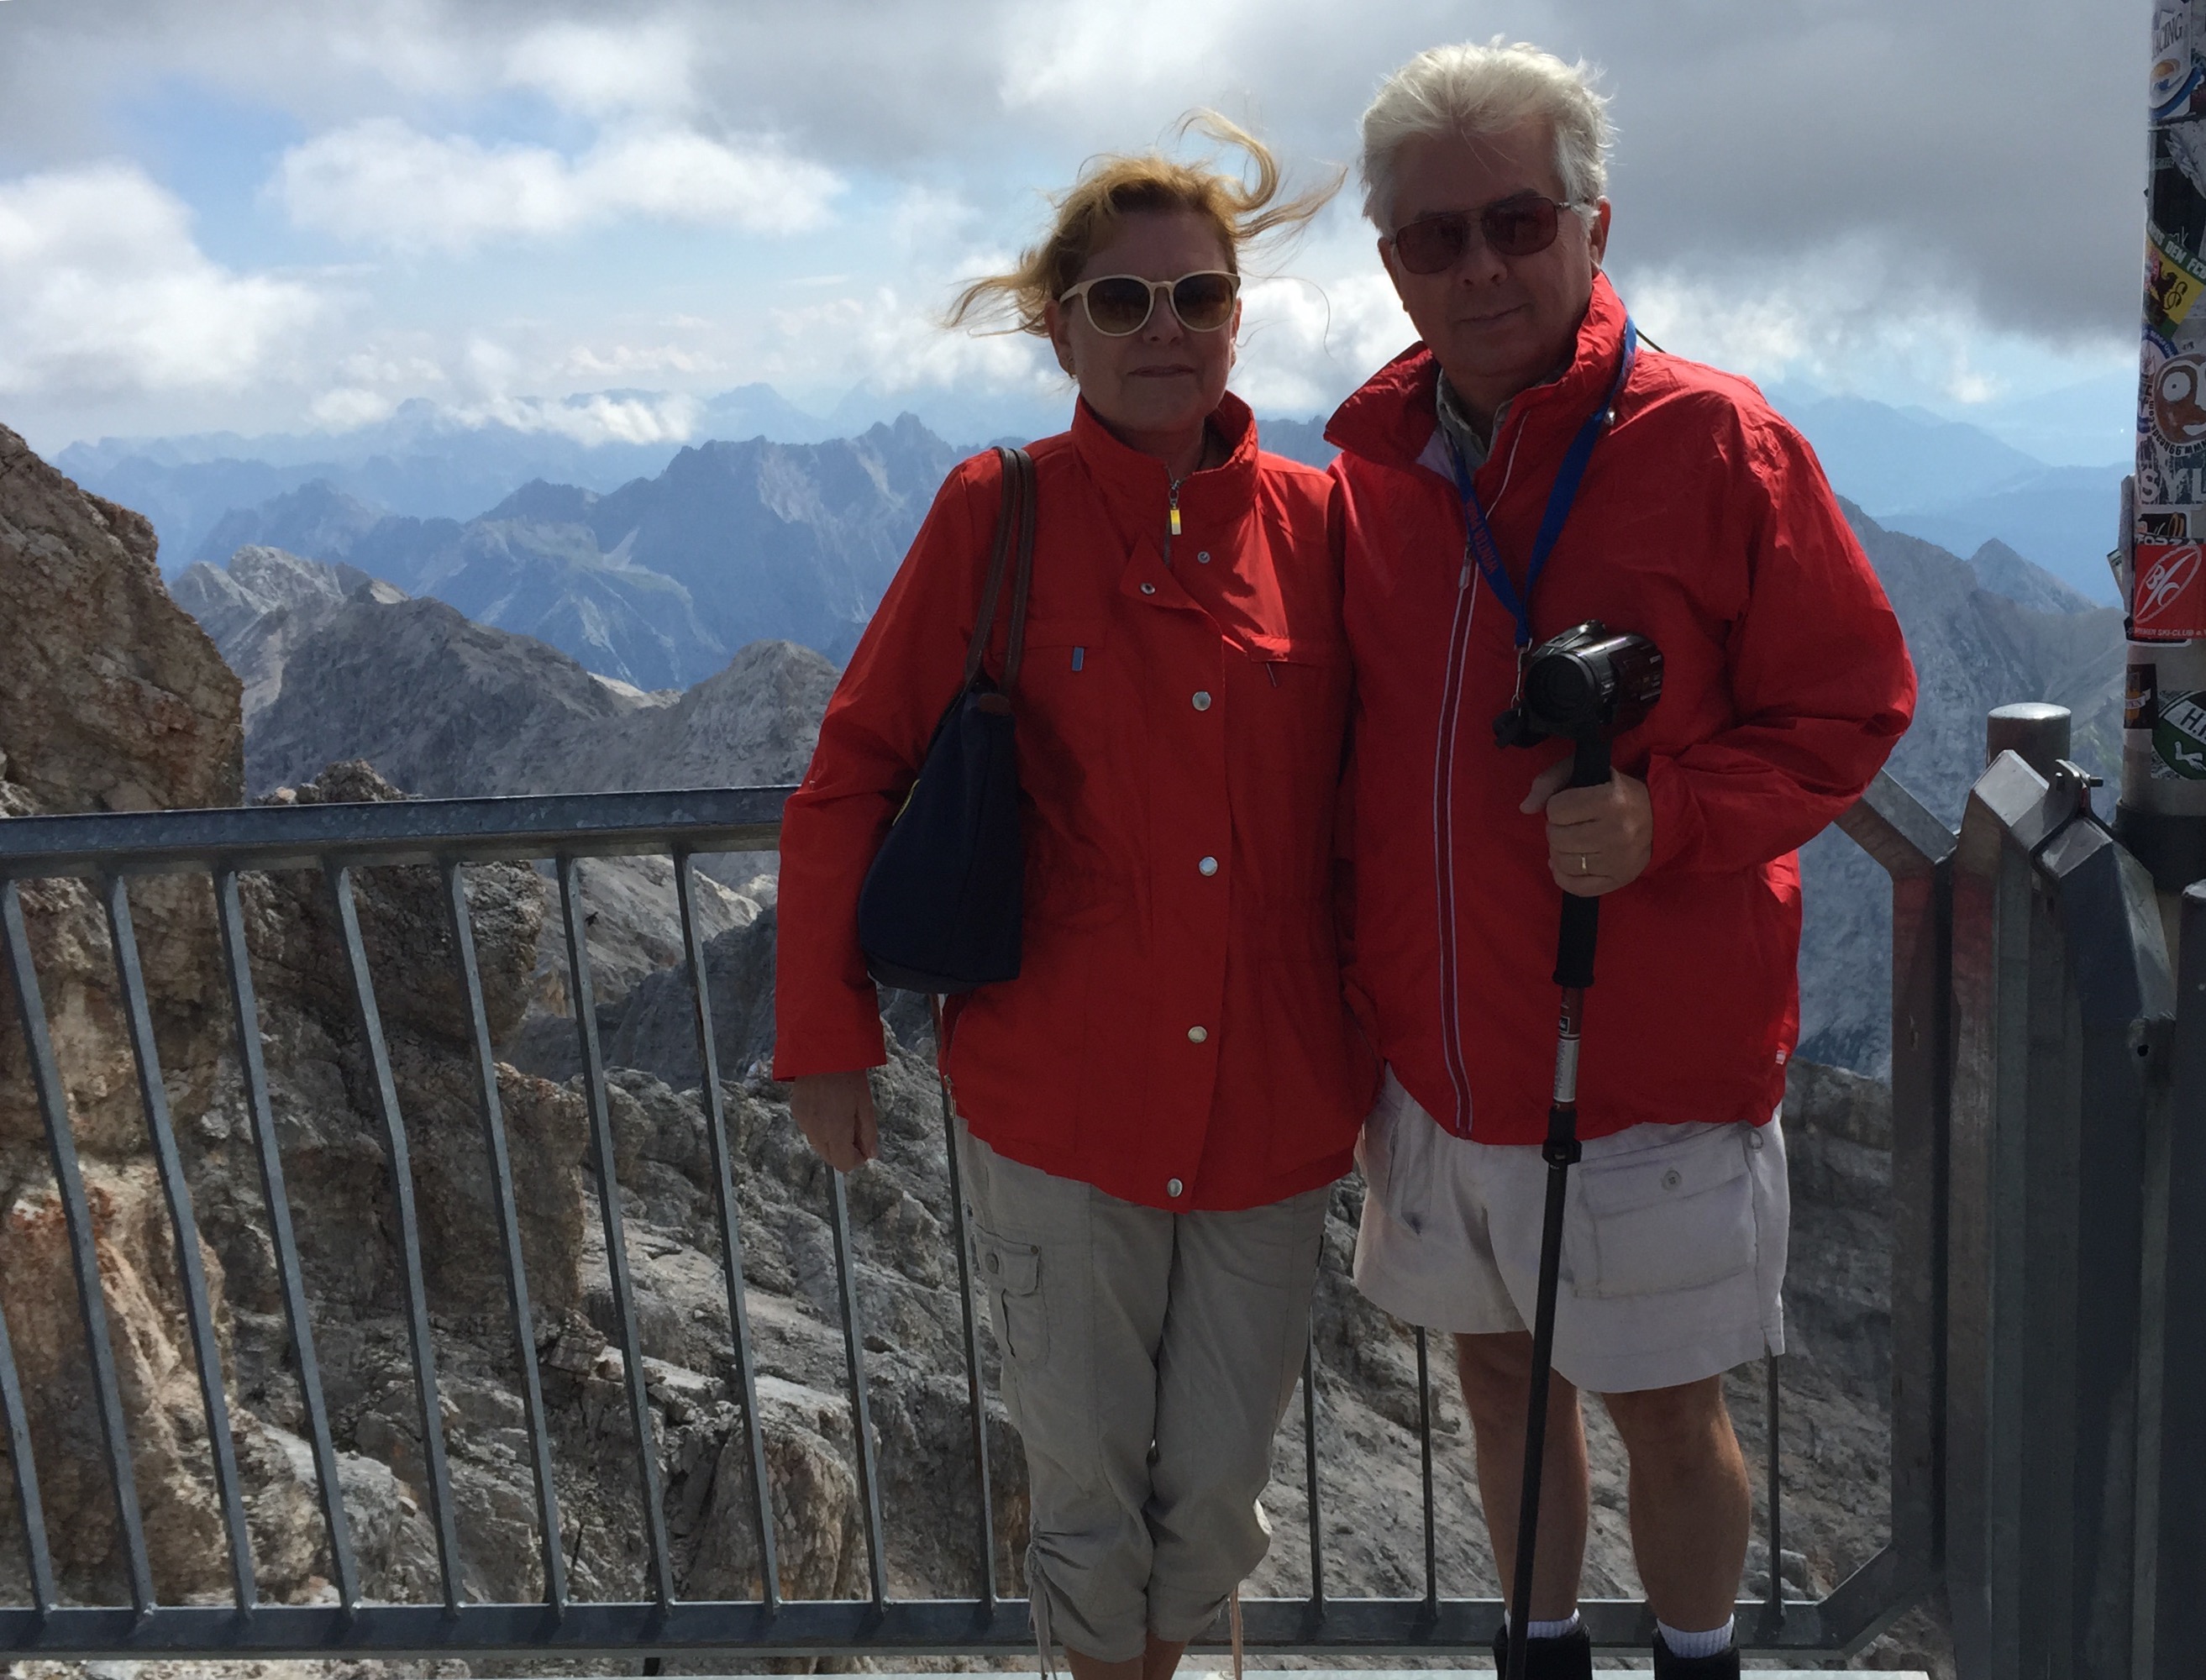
(382, 182)
(605, 72)
(1848, 316)
(104, 291)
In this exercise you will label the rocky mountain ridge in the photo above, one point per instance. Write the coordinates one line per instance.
(658, 582)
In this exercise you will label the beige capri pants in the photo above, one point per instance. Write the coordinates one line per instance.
(1148, 1358)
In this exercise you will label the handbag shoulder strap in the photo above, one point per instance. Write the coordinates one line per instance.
(1015, 519)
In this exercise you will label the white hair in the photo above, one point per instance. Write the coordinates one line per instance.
(1472, 91)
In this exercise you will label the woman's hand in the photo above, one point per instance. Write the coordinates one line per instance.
(836, 1114)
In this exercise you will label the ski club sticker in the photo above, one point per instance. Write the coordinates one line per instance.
(2178, 738)
(2169, 604)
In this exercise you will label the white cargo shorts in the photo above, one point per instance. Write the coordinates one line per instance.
(1673, 1243)
(1148, 1357)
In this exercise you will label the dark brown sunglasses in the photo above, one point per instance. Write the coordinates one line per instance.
(1521, 225)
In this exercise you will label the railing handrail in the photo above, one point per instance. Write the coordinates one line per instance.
(408, 831)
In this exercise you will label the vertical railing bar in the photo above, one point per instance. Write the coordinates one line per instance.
(609, 1212)
(1310, 1473)
(237, 961)
(869, 1485)
(553, 1549)
(198, 1314)
(370, 1021)
(27, 1503)
(976, 1390)
(84, 1250)
(1425, 1449)
(1775, 1604)
(731, 1241)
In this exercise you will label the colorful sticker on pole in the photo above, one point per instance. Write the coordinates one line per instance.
(2179, 739)
(2173, 279)
(2169, 603)
(2174, 71)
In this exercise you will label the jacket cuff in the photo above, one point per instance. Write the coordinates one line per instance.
(1676, 815)
(844, 1047)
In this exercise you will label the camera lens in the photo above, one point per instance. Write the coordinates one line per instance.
(1564, 692)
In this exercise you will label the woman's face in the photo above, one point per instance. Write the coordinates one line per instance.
(1162, 382)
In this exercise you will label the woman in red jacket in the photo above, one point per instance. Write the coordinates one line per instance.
(1152, 1112)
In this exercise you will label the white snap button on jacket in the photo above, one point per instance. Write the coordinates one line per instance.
(1202, 699)
(1197, 1034)
(1148, 589)
(1207, 867)
(1203, 558)
(1173, 1187)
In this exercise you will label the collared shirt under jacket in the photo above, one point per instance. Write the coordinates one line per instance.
(1176, 1035)
(1704, 523)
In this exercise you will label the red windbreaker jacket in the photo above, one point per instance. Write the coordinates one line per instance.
(1705, 524)
(1177, 1035)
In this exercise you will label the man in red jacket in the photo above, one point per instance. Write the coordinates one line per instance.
(1702, 521)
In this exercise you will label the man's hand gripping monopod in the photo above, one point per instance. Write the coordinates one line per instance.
(1583, 686)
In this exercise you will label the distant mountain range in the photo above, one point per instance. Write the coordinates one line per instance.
(658, 582)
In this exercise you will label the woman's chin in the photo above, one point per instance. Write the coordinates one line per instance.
(1183, 412)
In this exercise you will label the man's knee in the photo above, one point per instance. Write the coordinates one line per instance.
(1687, 1425)
(1496, 1372)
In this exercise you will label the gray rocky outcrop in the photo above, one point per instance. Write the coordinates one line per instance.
(445, 707)
(263, 604)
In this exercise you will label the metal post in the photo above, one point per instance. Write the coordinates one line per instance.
(2162, 562)
(2062, 999)
(2039, 732)
(2178, 1464)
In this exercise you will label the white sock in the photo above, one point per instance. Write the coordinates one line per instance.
(1711, 1643)
(1562, 1629)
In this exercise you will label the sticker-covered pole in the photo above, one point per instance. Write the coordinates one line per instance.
(2161, 563)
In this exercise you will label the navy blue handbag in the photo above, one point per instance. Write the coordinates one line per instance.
(939, 909)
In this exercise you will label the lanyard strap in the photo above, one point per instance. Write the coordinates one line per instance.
(1479, 536)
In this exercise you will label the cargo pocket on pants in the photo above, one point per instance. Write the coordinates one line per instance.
(1010, 1272)
(1678, 1216)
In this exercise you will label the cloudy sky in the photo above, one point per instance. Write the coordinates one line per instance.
(292, 214)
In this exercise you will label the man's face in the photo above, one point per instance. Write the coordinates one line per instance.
(1498, 324)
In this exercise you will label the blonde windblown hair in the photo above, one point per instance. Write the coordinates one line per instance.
(1118, 185)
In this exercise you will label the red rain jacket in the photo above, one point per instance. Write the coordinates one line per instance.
(1177, 1035)
(1705, 524)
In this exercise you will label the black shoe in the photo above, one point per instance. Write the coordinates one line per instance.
(1668, 1666)
(1569, 1657)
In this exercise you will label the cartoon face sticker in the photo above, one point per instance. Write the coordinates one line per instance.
(2178, 416)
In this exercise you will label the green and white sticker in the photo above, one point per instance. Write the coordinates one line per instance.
(2178, 738)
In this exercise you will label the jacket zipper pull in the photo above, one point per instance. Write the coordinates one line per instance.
(1174, 521)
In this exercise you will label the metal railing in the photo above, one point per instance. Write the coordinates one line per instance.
(339, 840)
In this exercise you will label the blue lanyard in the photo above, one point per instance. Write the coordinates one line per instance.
(1479, 536)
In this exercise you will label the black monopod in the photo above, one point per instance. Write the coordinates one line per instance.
(1582, 686)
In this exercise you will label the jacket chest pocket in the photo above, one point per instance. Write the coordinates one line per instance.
(1073, 712)
(1288, 719)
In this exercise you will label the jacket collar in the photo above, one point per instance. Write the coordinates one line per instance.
(1391, 418)
(1141, 482)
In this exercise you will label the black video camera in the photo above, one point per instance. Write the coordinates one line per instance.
(1583, 683)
